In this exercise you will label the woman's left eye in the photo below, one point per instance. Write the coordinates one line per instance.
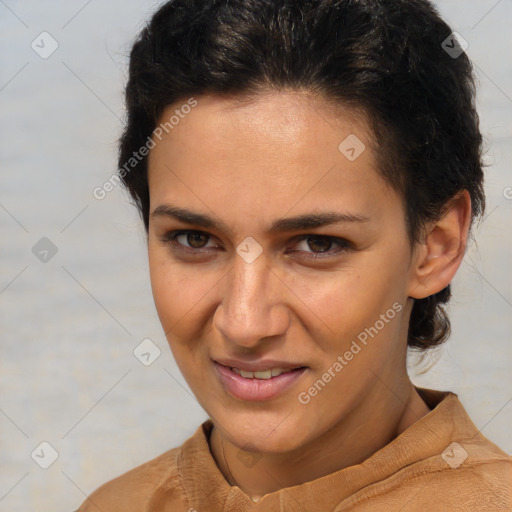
(323, 244)
(319, 245)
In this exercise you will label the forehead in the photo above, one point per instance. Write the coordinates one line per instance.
(266, 153)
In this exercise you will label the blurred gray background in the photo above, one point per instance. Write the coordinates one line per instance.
(74, 285)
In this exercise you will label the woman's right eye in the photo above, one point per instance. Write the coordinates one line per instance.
(196, 241)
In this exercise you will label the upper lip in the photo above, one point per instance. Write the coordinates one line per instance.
(258, 365)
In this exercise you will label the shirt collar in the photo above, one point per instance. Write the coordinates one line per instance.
(207, 489)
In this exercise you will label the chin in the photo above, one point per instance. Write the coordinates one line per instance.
(265, 432)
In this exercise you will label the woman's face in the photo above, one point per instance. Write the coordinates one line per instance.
(245, 286)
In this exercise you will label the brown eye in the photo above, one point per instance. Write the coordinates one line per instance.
(318, 244)
(196, 240)
(192, 241)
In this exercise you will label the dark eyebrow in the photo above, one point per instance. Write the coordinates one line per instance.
(314, 220)
(301, 222)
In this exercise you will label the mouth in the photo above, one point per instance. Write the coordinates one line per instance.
(260, 383)
(262, 374)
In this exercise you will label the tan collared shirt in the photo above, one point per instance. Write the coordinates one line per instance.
(441, 463)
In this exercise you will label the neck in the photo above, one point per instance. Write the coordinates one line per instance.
(349, 442)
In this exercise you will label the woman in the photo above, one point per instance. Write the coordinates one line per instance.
(308, 174)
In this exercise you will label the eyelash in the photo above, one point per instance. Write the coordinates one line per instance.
(343, 244)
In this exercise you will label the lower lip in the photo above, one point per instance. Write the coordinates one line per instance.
(256, 390)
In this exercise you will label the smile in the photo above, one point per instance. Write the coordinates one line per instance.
(257, 386)
(264, 375)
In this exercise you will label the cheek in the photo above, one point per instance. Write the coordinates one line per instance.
(177, 296)
(351, 302)
(171, 293)
(180, 293)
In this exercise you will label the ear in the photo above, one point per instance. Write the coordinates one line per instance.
(436, 260)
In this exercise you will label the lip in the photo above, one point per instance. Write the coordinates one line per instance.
(257, 390)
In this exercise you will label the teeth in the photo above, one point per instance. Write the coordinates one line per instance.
(267, 374)
(264, 375)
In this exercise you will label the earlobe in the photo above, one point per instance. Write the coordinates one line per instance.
(438, 258)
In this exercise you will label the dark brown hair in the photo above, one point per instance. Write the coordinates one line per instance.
(396, 60)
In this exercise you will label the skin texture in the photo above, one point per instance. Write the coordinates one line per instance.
(247, 163)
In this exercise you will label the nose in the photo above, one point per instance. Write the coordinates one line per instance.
(253, 304)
